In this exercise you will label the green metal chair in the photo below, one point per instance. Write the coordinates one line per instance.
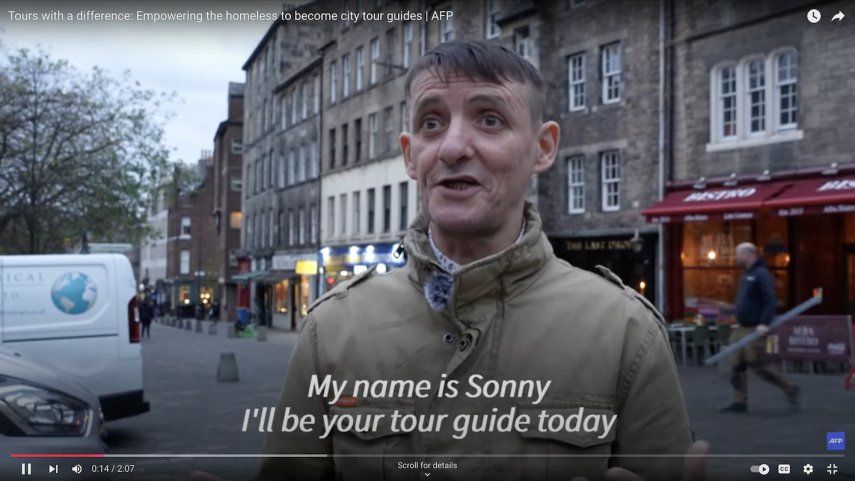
(700, 341)
(722, 336)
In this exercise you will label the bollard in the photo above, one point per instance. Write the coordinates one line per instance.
(198, 326)
(227, 370)
(261, 334)
(212, 329)
(232, 332)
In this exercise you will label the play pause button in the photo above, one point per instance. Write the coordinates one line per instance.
(26, 469)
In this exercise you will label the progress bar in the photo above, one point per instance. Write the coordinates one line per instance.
(307, 455)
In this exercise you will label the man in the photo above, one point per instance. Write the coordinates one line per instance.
(482, 293)
(755, 309)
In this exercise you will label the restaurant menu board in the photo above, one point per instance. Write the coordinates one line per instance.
(812, 338)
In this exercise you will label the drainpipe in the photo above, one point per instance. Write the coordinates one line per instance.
(660, 241)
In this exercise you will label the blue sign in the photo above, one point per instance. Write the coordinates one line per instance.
(835, 441)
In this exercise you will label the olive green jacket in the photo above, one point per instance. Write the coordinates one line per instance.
(519, 314)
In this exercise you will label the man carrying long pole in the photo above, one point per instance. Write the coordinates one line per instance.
(755, 310)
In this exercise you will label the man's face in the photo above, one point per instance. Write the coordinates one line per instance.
(473, 148)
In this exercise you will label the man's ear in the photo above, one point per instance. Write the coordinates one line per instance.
(406, 142)
(548, 137)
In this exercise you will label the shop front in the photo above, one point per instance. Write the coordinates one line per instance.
(192, 297)
(632, 257)
(340, 263)
(804, 228)
(292, 285)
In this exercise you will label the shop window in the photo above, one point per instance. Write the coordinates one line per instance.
(281, 297)
(303, 295)
(772, 240)
(184, 295)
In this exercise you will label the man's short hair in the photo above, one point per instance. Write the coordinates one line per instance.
(484, 61)
(747, 247)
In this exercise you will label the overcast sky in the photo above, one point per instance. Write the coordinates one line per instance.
(194, 60)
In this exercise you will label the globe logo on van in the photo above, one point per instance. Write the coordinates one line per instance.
(74, 293)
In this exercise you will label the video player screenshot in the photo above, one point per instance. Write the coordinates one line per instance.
(364, 240)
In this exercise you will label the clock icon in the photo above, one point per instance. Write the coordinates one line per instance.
(813, 16)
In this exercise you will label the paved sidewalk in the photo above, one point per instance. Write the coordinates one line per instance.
(772, 426)
(190, 411)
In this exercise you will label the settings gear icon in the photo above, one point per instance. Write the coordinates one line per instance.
(808, 469)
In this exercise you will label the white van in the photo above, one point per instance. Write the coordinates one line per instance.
(77, 312)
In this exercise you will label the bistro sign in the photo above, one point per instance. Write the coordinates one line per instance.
(718, 195)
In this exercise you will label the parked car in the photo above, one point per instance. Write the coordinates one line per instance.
(77, 312)
(43, 411)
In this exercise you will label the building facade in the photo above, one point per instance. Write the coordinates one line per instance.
(762, 152)
(281, 170)
(228, 216)
(603, 77)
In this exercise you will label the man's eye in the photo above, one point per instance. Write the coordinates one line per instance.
(492, 120)
(430, 124)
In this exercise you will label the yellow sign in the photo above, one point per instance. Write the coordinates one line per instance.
(306, 268)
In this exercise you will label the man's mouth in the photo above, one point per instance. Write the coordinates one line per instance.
(458, 182)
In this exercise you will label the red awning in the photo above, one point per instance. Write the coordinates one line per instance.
(815, 196)
(728, 203)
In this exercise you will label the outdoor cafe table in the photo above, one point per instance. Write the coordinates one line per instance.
(683, 330)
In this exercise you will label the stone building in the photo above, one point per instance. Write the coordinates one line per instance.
(228, 217)
(180, 263)
(280, 189)
(603, 80)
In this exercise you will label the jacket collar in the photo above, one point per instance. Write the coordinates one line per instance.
(500, 274)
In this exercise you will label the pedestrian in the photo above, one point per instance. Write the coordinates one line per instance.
(755, 308)
(482, 293)
(146, 314)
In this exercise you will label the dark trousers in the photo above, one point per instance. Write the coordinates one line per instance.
(751, 357)
(146, 329)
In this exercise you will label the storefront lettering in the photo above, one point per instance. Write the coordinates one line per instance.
(842, 184)
(598, 245)
(838, 209)
(720, 195)
(738, 215)
(791, 211)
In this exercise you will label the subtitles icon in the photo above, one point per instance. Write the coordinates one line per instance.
(835, 441)
(783, 469)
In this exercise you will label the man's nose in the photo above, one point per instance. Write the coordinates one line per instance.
(456, 144)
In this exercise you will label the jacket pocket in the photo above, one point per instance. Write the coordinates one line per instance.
(372, 454)
(563, 454)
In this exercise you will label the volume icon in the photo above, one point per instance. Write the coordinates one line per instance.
(77, 469)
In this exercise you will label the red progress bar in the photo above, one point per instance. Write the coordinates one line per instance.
(62, 455)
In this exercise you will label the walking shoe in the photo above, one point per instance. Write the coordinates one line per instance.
(734, 408)
(794, 395)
